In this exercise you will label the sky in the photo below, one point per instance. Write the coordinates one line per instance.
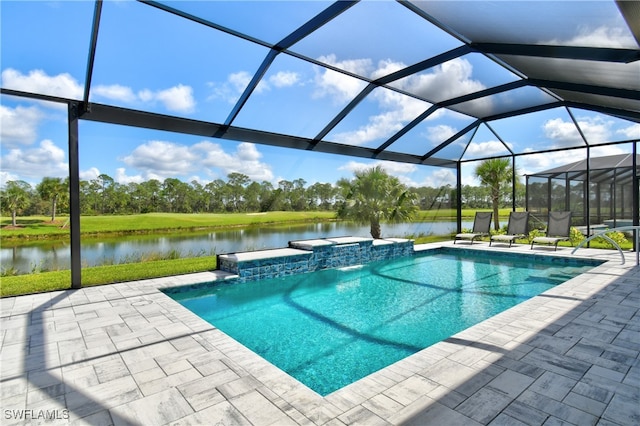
(195, 72)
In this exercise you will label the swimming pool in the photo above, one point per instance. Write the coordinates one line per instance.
(332, 327)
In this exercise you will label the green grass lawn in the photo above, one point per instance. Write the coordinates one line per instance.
(42, 227)
(61, 280)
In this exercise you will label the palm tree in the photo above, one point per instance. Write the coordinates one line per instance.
(52, 189)
(497, 174)
(16, 196)
(374, 196)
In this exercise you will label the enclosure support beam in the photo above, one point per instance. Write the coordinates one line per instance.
(614, 198)
(599, 201)
(458, 197)
(567, 193)
(526, 193)
(74, 194)
(587, 204)
(549, 189)
(635, 195)
(514, 179)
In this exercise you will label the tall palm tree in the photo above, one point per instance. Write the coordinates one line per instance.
(53, 189)
(497, 174)
(374, 196)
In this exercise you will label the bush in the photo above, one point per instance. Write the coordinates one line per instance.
(575, 236)
(535, 233)
(616, 236)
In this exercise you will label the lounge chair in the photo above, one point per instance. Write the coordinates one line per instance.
(558, 229)
(518, 227)
(481, 226)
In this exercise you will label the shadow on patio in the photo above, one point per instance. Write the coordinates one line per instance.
(582, 368)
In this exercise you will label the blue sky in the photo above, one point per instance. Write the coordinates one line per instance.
(195, 72)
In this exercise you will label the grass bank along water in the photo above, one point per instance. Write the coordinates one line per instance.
(40, 227)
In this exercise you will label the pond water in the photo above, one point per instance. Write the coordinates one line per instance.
(56, 255)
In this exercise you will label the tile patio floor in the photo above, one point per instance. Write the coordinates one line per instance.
(127, 354)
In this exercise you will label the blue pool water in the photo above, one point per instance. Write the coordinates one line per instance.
(330, 328)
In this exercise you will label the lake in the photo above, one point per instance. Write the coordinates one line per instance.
(100, 251)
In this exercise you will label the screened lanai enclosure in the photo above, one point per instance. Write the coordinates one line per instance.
(432, 86)
(606, 182)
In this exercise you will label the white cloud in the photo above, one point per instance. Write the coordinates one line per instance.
(90, 174)
(450, 79)
(563, 133)
(339, 87)
(237, 82)
(387, 67)
(398, 110)
(18, 126)
(122, 177)
(177, 98)
(485, 148)
(536, 163)
(355, 66)
(603, 36)
(37, 81)
(440, 177)
(596, 130)
(164, 158)
(45, 160)
(145, 95)
(6, 177)
(161, 159)
(246, 160)
(602, 151)
(631, 132)
(284, 79)
(440, 133)
(115, 92)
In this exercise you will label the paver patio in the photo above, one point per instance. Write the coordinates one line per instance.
(127, 354)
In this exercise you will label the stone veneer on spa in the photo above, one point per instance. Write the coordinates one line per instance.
(312, 255)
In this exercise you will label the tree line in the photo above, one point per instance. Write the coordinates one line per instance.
(238, 193)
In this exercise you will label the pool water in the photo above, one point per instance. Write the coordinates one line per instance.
(330, 328)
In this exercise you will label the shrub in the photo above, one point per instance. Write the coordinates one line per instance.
(575, 236)
(535, 233)
(616, 236)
